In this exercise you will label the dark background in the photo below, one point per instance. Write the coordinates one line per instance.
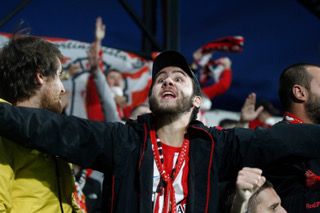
(277, 33)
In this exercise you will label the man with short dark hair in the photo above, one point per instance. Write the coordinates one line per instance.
(165, 161)
(265, 200)
(254, 194)
(298, 185)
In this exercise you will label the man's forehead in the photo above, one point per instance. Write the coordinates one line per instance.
(114, 72)
(314, 73)
(59, 66)
(268, 195)
(313, 70)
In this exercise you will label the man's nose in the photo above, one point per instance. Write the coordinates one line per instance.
(63, 90)
(283, 210)
(117, 83)
(168, 82)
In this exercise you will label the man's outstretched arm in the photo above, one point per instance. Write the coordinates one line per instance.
(282, 143)
(84, 142)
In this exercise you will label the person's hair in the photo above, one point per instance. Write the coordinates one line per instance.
(196, 92)
(135, 111)
(294, 74)
(109, 70)
(20, 60)
(268, 107)
(227, 123)
(253, 201)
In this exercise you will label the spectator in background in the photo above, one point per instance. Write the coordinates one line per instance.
(248, 113)
(31, 181)
(298, 184)
(265, 117)
(116, 83)
(254, 194)
(215, 76)
(228, 123)
(104, 91)
(94, 102)
(75, 79)
(140, 110)
(265, 200)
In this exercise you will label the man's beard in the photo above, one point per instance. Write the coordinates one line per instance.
(51, 105)
(183, 105)
(313, 108)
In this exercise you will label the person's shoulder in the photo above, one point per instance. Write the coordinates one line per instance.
(196, 124)
(141, 122)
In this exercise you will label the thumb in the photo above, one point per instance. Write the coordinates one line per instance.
(259, 110)
(261, 181)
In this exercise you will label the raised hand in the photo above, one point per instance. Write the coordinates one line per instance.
(200, 59)
(249, 180)
(249, 111)
(225, 62)
(100, 30)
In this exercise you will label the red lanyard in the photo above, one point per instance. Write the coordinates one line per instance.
(166, 181)
(291, 118)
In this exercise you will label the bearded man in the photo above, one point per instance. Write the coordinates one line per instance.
(299, 184)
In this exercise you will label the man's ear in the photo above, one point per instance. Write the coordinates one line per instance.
(300, 93)
(197, 100)
(39, 78)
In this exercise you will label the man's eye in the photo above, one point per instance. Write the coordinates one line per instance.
(274, 207)
(178, 79)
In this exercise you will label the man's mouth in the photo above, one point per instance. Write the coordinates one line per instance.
(168, 95)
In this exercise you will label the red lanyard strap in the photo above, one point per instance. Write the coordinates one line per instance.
(291, 118)
(166, 180)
